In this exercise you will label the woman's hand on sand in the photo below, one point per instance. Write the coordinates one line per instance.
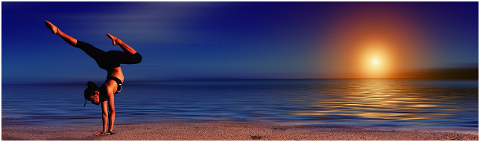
(102, 134)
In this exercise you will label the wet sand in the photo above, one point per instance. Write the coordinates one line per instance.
(221, 130)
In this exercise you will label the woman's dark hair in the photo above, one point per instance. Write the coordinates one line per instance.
(91, 88)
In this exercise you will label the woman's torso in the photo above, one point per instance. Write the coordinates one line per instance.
(114, 72)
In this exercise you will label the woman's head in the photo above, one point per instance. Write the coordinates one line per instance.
(92, 93)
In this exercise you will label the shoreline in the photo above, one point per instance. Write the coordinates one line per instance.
(226, 130)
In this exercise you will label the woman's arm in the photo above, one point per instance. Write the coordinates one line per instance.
(111, 89)
(108, 117)
(111, 111)
(104, 118)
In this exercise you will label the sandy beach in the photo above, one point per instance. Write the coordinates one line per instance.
(221, 130)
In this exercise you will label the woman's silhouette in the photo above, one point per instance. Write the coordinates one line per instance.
(109, 61)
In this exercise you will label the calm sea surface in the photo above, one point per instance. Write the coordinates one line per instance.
(369, 102)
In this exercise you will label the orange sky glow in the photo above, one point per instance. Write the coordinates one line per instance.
(372, 44)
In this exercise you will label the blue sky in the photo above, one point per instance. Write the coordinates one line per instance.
(223, 40)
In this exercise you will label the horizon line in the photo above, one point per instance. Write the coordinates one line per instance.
(244, 79)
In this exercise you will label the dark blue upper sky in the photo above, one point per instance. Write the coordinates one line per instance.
(239, 40)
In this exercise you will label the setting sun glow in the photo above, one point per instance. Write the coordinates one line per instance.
(374, 61)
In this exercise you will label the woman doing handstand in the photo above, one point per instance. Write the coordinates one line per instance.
(109, 61)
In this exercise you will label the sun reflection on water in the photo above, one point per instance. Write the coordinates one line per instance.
(377, 99)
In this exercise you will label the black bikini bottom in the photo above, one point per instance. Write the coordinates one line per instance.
(119, 82)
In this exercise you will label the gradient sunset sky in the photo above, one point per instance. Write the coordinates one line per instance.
(239, 40)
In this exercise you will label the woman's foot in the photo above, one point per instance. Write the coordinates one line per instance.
(52, 27)
(114, 39)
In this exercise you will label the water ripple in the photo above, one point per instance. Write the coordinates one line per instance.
(371, 102)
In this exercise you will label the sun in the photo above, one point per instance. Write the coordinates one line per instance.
(374, 61)
(373, 66)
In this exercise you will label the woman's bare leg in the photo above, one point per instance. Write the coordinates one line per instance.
(124, 46)
(70, 40)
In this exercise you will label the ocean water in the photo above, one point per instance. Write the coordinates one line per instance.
(359, 102)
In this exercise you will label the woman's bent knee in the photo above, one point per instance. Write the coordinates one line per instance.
(137, 57)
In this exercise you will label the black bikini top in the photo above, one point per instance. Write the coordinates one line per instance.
(119, 83)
